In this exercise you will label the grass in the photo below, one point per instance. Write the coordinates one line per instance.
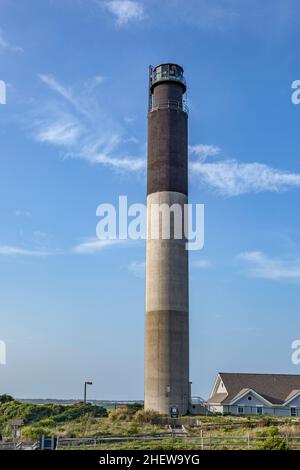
(86, 420)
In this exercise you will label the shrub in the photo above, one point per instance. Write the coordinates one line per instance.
(273, 441)
(135, 406)
(48, 422)
(32, 413)
(133, 430)
(146, 416)
(6, 398)
(34, 433)
(121, 414)
(265, 421)
(78, 410)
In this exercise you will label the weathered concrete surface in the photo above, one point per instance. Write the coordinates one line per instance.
(167, 306)
(166, 260)
(167, 360)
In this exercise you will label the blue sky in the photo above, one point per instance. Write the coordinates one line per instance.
(73, 136)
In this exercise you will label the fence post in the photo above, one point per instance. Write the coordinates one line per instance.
(248, 440)
(202, 441)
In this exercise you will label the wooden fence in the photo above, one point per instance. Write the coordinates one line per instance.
(172, 441)
(159, 441)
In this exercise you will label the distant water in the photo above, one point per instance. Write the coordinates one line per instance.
(61, 401)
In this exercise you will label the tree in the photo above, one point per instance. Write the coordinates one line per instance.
(6, 398)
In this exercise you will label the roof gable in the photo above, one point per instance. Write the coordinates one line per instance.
(245, 391)
(219, 387)
(294, 394)
(274, 388)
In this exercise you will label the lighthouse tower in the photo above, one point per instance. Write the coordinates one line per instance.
(167, 293)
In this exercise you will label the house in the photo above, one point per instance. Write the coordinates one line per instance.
(261, 394)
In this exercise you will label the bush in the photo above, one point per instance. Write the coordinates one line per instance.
(6, 398)
(121, 414)
(273, 441)
(132, 431)
(135, 406)
(146, 416)
(47, 422)
(265, 421)
(78, 410)
(33, 433)
(31, 413)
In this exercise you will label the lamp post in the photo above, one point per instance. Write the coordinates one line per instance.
(85, 384)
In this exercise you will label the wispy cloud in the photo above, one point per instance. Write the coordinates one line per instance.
(58, 88)
(7, 46)
(64, 132)
(201, 264)
(202, 151)
(22, 213)
(258, 264)
(232, 178)
(124, 11)
(137, 268)
(18, 251)
(94, 245)
(78, 125)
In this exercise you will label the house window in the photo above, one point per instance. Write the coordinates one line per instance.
(293, 411)
(240, 410)
(249, 398)
(259, 410)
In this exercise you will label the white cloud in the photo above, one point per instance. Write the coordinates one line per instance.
(78, 124)
(59, 133)
(94, 245)
(203, 151)
(128, 164)
(125, 11)
(13, 250)
(137, 268)
(58, 87)
(201, 263)
(6, 46)
(259, 265)
(232, 178)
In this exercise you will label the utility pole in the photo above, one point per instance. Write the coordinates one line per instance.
(85, 384)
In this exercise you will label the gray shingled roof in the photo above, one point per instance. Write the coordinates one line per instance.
(275, 388)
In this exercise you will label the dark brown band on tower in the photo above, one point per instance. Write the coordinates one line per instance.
(167, 141)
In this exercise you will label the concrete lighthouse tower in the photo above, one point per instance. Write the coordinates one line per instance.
(167, 299)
